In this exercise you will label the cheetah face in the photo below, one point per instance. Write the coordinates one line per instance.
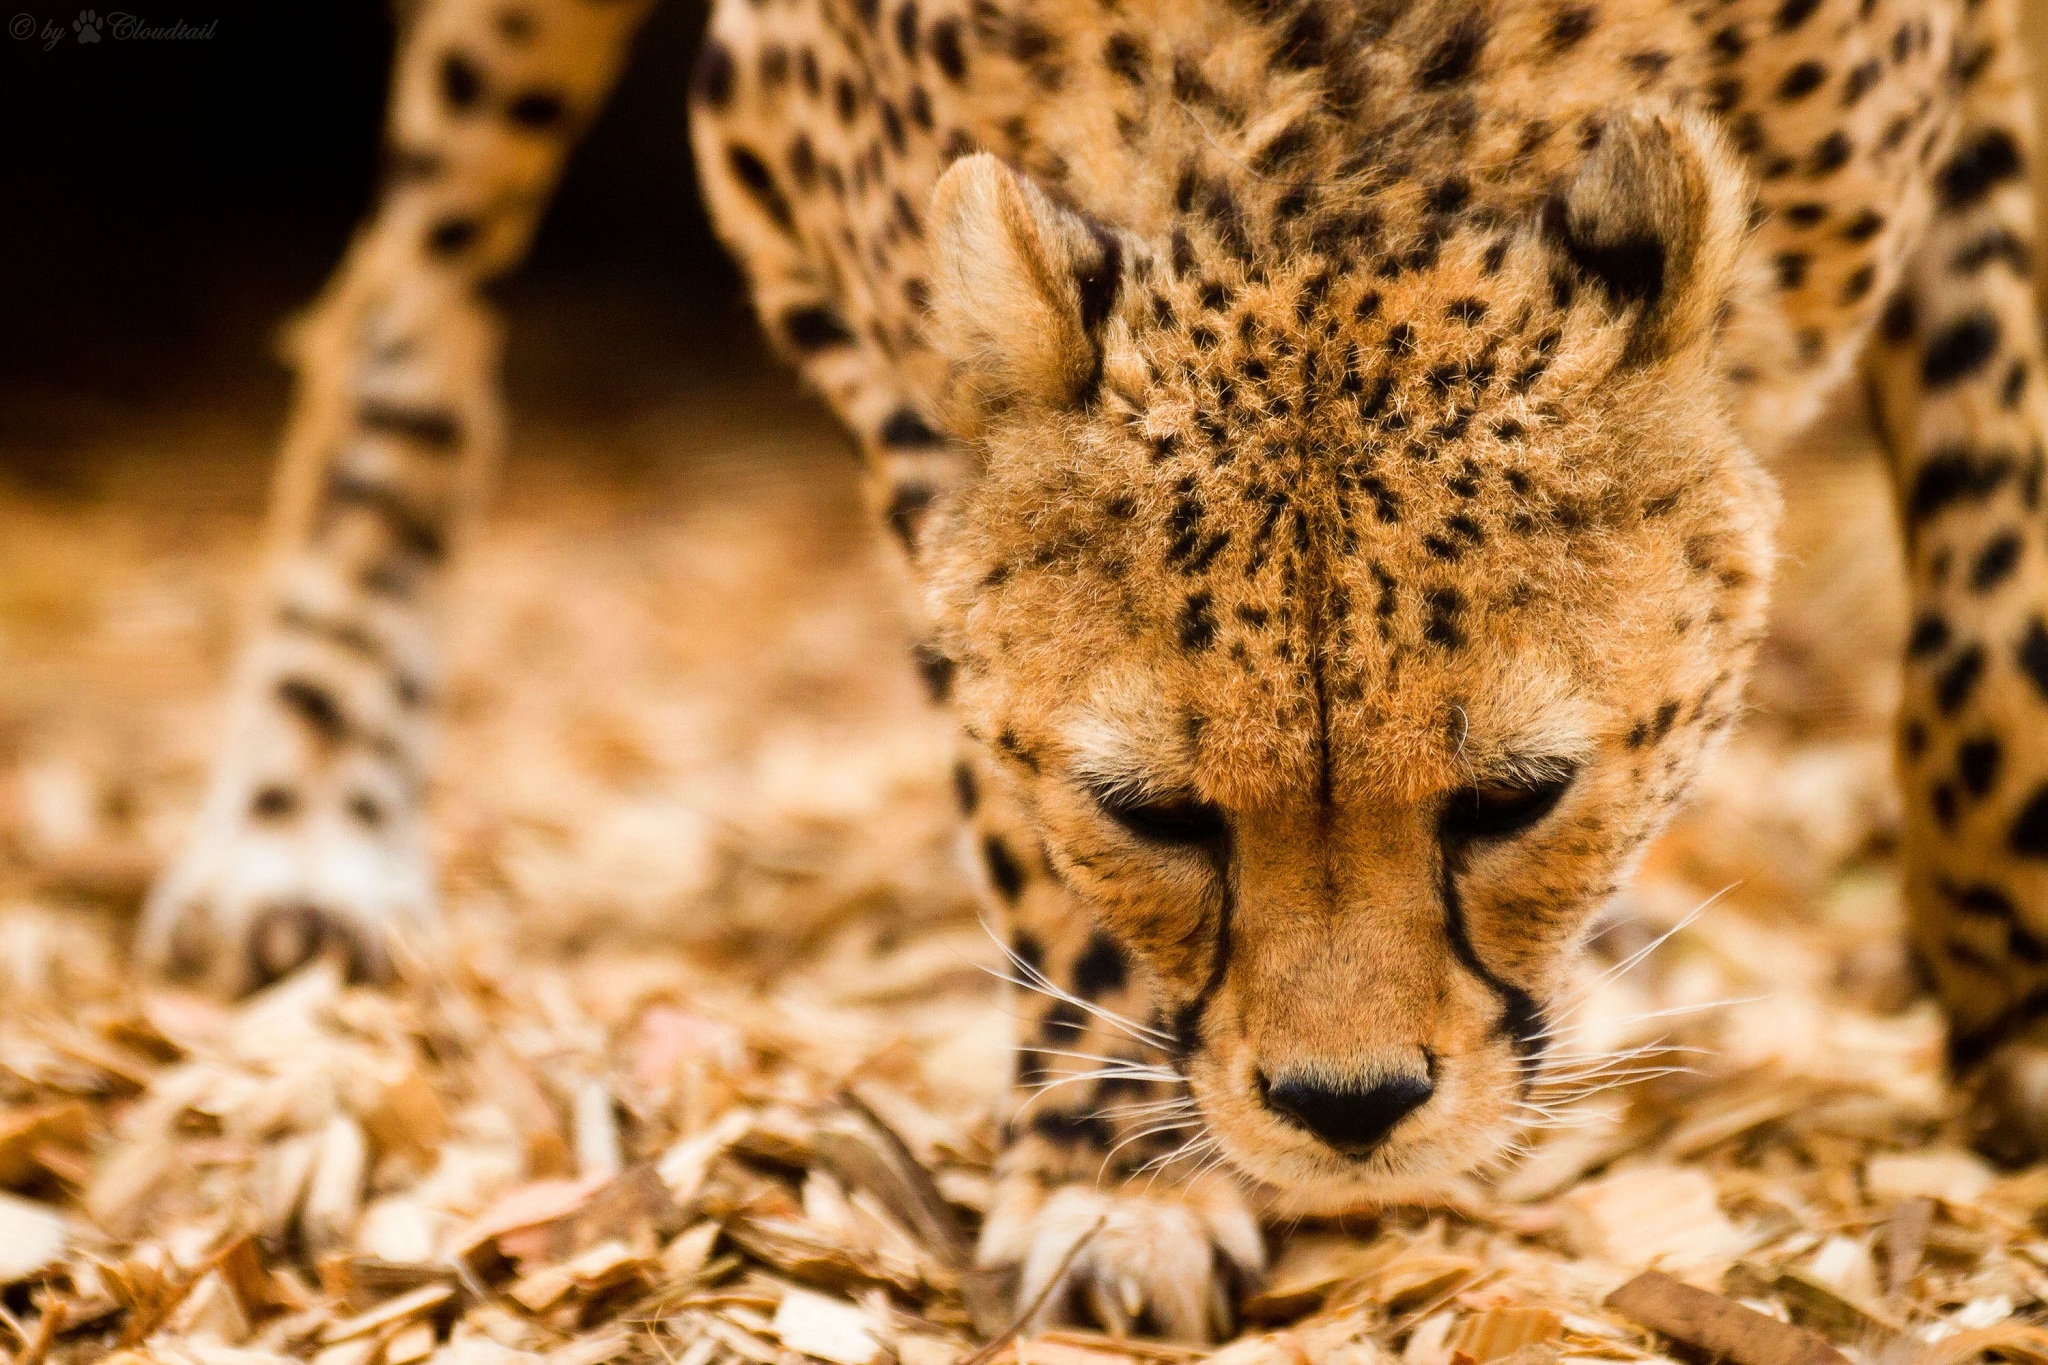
(1347, 638)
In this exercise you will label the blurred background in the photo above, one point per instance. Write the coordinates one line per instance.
(718, 714)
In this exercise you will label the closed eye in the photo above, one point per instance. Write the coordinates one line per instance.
(1176, 822)
(1501, 810)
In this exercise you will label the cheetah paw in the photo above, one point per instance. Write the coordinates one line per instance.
(2009, 1101)
(271, 881)
(1165, 1260)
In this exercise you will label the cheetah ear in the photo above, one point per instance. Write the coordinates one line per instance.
(1022, 288)
(1654, 220)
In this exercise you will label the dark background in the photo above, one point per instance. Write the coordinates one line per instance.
(165, 205)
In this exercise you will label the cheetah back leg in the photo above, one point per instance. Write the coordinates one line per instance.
(1957, 377)
(310, 838)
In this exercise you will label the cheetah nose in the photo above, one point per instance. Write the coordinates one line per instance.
(1352, 1116)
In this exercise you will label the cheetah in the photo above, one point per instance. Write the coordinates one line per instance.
(1327, 444)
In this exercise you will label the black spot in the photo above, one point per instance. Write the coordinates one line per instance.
(712, 81)
(1930, 636)
(935, 669)
(1980, 899)
(1456, 54)
(1301, 47)
(1979, 166)
(1029, 41)
(815, 329)
(947, 50)
(1448, 196)
(452, 236)
(413, 529)
(1125, 57)
(2033, 655)
(1630, 270)
(1064, 1023)
(1960, 349)
(1995, 562)
(907, 504)
(1283, 147)
(1793, 13)
(1900, 320)
(462, 82)
(1791, 267)
(1100, 969)
(537, 111)
(1943, 799)
(1197, 623)
(1913, 739)
(1097, 282)
(1569, 26)
(803, 162)
(1003, 872)
(1866, 224)
(436, 428)
(1860, 79)
(1830, 154)
(906, 28)
(2014, 388)
(966, 791)
(2029, 834)
(1468, 311)
(273, 803)
(1977, 763)
(1998, 244)
(1859, 284)
(904, 429)
(1442, 608)
(316, 706)
(753, 173)
(1070, 1129)
(1802, 80)
(1954, 685)
(1729, 44)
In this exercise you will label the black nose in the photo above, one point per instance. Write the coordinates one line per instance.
(1352, 1118)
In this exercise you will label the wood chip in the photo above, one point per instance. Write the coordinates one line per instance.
(1655, 1214)
(29, 1136)
(334, 1189)
(1718, 1325)
(826, 1329)
(1835, 1312)
(418, 1304)
(1905, 1241)
(1499, 1332)
(32, 1238)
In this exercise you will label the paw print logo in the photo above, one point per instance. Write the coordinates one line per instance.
(88, 26)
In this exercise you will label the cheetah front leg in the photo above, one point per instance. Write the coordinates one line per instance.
(310, 840)
(1108, 1205)
(1957, 372)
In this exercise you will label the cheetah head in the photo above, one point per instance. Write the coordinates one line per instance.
(1345, 632)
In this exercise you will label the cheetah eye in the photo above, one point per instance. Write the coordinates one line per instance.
(1500, 810)
(1180, 822)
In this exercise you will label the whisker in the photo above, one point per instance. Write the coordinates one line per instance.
(1044, 985)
